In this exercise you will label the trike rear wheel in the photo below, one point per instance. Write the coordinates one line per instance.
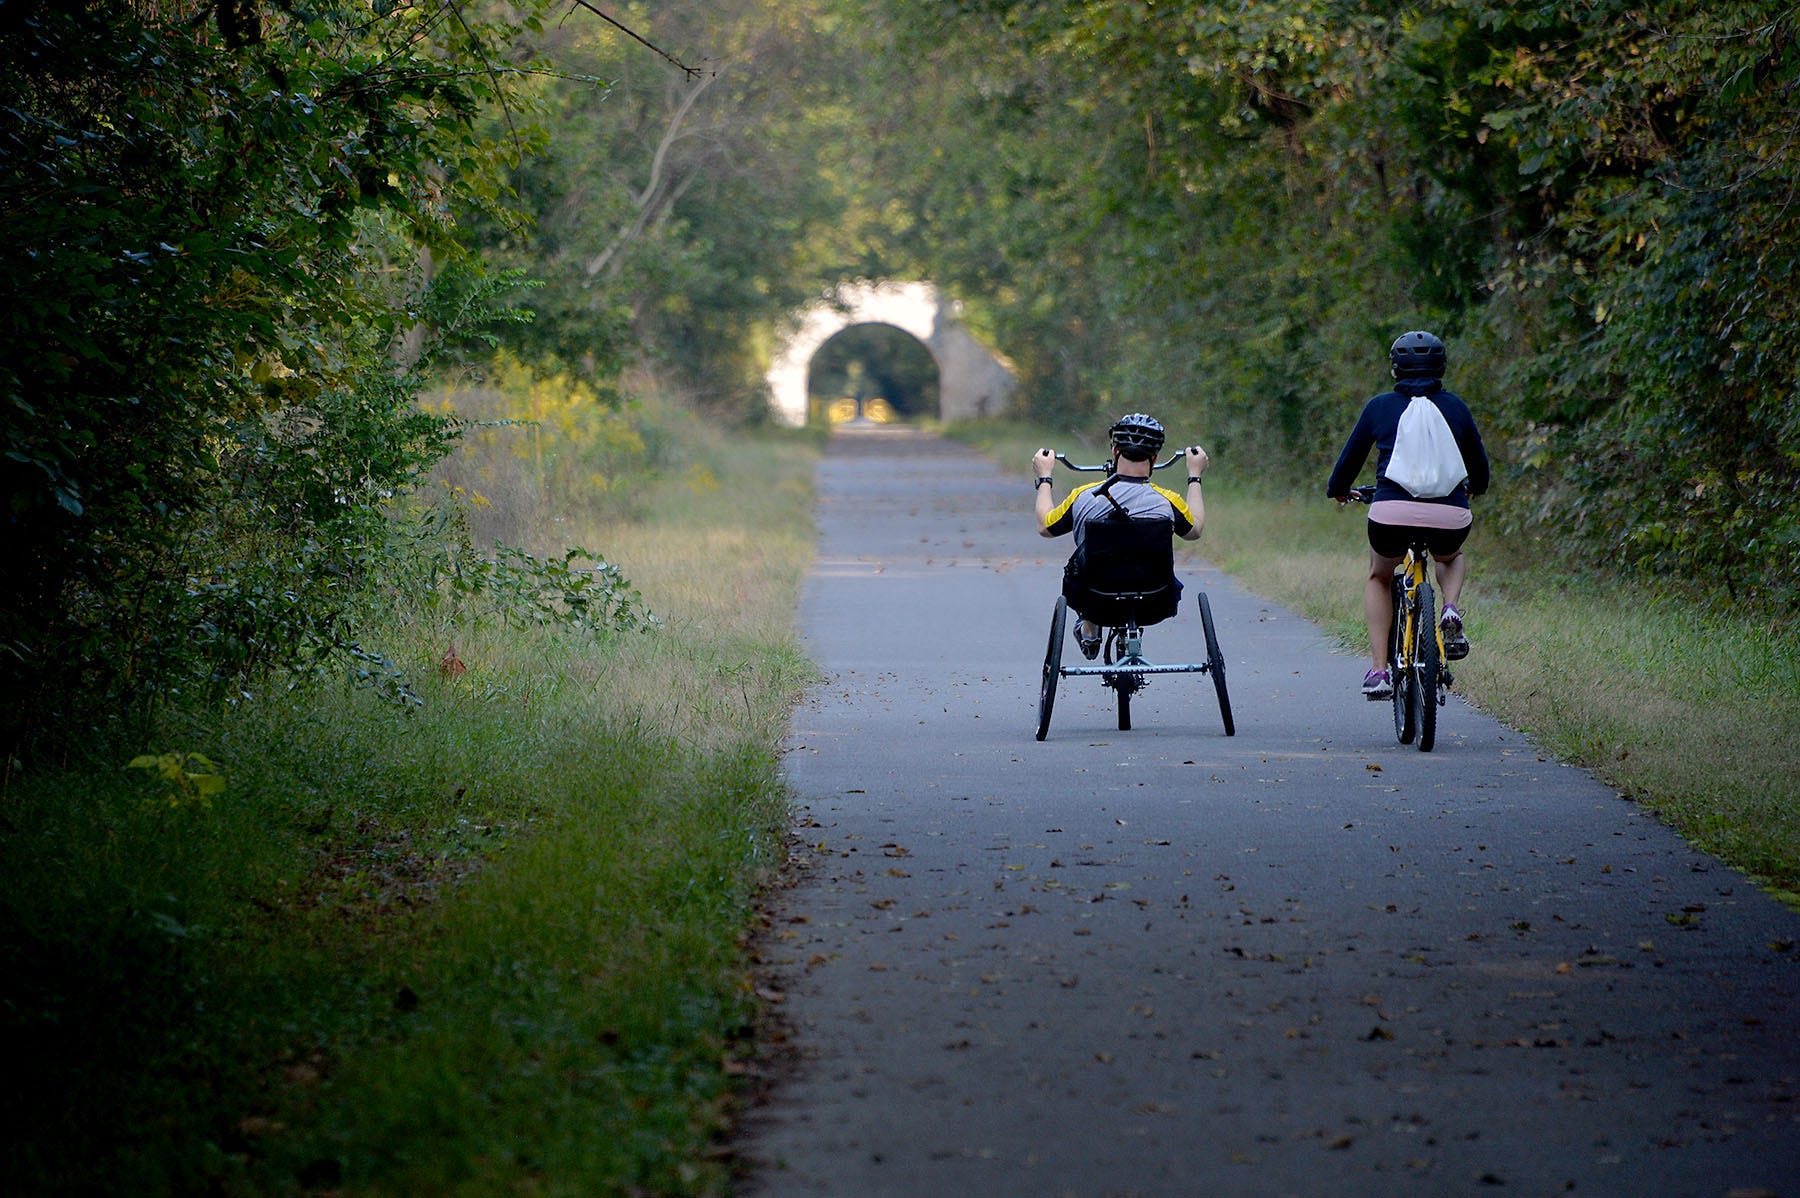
(1124, 684)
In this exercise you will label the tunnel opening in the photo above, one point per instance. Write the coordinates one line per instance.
(872, 372)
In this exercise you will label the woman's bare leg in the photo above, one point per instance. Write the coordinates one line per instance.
(1378, 606)
(1451, 572)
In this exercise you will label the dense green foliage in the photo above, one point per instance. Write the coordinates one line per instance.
(677, 216)
(216, 330)
(1226, 212)
(241, 234)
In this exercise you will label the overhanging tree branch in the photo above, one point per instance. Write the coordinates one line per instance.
(653, 197)
(691, 72)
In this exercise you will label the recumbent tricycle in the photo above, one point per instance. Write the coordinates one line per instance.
(1129, 569)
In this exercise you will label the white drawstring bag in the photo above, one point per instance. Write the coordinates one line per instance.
(1426, 459)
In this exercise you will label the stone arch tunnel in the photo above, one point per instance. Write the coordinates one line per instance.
(973, 381)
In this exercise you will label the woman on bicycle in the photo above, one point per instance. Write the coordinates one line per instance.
(1417, 359)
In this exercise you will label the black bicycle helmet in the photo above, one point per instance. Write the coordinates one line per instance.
(1137, 437)
(1417, 355)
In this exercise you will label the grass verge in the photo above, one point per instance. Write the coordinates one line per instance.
(1693, 712)
(485, 946)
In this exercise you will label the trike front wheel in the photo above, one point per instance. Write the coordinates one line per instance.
(1215, 664)
(1059, 619)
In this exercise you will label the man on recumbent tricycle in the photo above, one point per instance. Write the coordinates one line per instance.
(1126, 493)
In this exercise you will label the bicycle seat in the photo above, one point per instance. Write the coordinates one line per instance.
(1128, 572)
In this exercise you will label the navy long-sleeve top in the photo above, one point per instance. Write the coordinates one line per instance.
(1377, 426)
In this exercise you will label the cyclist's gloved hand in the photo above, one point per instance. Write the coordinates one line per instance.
(1197, 461)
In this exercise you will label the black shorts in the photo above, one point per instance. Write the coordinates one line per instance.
(1392, 540)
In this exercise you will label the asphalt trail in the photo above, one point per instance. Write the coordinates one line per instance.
(1303, 960)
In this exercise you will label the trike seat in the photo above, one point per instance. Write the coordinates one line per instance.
(1126, 574)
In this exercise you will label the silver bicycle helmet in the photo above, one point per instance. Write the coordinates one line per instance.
(1137, 437)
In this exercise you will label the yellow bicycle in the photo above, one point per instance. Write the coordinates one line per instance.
(1416, 656)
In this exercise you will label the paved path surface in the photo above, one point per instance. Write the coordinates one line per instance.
(1303, 960)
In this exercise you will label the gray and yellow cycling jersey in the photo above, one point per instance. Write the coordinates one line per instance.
(1141, 499)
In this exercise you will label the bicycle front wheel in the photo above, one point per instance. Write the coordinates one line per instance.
(1215, 664)
(1425, 649)
(1059, 619)
(1400, 640)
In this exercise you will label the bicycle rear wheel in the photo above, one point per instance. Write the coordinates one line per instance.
(1059, 619)
(1400, 666)
(1124, 684)
(1425, 649)
(1215, 664)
